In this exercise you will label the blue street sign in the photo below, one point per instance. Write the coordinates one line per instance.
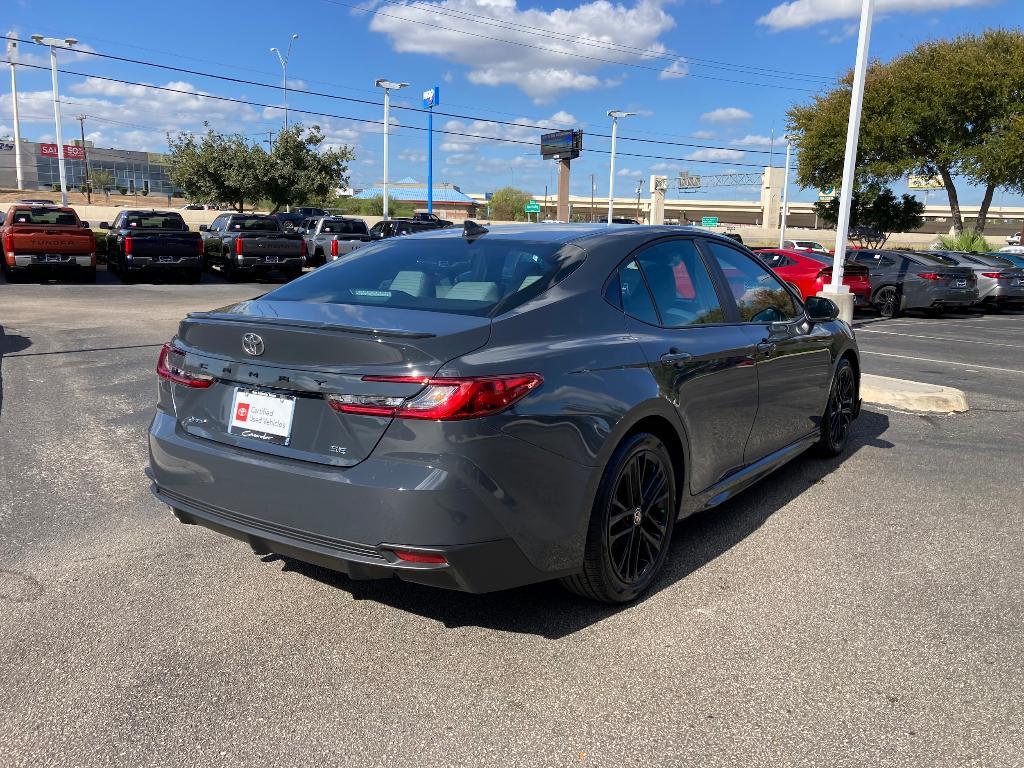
(432, 97)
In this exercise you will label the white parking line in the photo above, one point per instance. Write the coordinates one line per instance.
(939, 338)
(943, 362)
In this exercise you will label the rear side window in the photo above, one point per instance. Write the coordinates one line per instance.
(447, 274)
(680, 284)
(760, 296)
(43, 215)
(253, 224)
(633, 297)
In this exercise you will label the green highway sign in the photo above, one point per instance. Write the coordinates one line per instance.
(709, 221)
(532, 207)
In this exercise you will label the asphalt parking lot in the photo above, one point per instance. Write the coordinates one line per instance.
(863, 611)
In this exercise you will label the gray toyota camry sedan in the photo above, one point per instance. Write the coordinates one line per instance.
(483, 408)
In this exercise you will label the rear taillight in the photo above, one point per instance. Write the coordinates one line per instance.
(128, 245)
(929, 275)
(201, 246)
(238, 246)
(444, 399)
(411, 556)
(305, 249)
(170, 366)
(9, 248)
(994, 275)
(334, 248)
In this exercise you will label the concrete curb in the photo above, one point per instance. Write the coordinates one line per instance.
(912, 395)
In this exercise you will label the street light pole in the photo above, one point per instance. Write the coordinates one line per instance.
(12, 59)
(614, 114)
(284, 73)
(388, 86)
(54, 44)
(785, 193)
(836, 291)
(85, 160)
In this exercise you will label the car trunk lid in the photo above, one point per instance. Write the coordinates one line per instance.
(275, 363)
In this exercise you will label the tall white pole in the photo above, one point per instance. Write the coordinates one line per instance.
(611, 171)
(387, 117)
(785, 194)
(56, 118)
(17, 124)
(850, 165)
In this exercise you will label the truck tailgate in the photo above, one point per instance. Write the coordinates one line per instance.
(173, 245)
(41, 240)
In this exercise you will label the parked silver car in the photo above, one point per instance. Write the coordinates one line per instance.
(1000, 281)
(330, 237)
(902, 280)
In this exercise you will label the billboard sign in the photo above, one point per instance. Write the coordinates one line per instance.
(925, 182)
(71, 151)
(686, 181)
(561, 145)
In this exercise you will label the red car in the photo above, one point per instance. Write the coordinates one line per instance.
(809, 272)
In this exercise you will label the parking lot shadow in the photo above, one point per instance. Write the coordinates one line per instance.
(9, 344)
(549, 611)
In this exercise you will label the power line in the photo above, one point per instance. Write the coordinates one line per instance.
(501, 139)
(567, 53)
(370, 102)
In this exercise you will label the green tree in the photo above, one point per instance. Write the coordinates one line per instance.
(300, 172)
(875, 213)
(952, 108)
(101, 179)
(219, 168)
(507, 204)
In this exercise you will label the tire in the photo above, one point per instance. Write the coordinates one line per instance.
(229, 269)
(628, 538)
(837, 420)
(123, 272)
(87, 274)
(887, 301)
(192, 276)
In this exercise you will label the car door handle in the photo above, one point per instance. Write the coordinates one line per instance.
(675, 357)
(766, 348)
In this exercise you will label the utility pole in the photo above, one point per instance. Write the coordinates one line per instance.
(639, 186)
(614, 114)
(591, 198)
(85, 160)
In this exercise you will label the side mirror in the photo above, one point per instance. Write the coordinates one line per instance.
(85, 225)
(821, 310)
(204, 228)
(104, 225)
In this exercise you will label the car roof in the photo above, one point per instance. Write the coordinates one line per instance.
(568, 233)
(149, 212)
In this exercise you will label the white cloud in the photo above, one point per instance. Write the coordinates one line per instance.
(751, 140)
(678, 68)
(703, 134)
(630, 173)
(725, 115)
(806, 13)
(715, 154)
(538, 58)
(412, 156)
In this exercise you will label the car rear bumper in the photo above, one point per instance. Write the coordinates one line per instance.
(24, 261)
(352, 519)
(259, 263)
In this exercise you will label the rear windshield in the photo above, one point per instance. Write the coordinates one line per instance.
(807, 244)
(935, 258)
(988, 260)
(447, 274)
(253, 224)
(156, 221)
(42, 215)
(344, 227)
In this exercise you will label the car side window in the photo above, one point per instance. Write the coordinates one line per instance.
(634, 298)
(760, 296)
(680, 283)
(886, 261)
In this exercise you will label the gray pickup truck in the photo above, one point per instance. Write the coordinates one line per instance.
(251, 244)
(330, 237)
(152, 241)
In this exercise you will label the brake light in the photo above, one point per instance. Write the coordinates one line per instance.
(238, 246)
(128, 245)
(169, 365)
(443, 399)
(929, 275)
(305, 250)
(419, 557)
(201, 246)
(9, 248)
(995, 275)
(334, 248)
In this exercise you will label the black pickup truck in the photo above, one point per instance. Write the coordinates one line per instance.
(153, 241)
(246, 243)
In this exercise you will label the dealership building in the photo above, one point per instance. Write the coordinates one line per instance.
(131, 170)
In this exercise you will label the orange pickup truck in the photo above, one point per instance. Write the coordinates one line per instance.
(47, 238)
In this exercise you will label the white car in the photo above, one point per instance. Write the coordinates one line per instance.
(1013, 239)
(804, 245)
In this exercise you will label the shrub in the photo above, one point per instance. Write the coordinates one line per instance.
(966, 242)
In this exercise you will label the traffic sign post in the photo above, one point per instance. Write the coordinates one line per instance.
(531, 207)
(709, 221)
(431, 99)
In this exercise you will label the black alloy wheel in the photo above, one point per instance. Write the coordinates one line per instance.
(887, 301)
(838, 417)
(631, 523)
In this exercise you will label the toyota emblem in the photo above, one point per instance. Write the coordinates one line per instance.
(252, 343)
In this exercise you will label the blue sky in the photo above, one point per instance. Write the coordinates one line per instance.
(718, 74)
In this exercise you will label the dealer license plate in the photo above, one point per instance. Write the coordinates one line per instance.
(272, 259)
(262, 416)
(53, 257)
(959, 283)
